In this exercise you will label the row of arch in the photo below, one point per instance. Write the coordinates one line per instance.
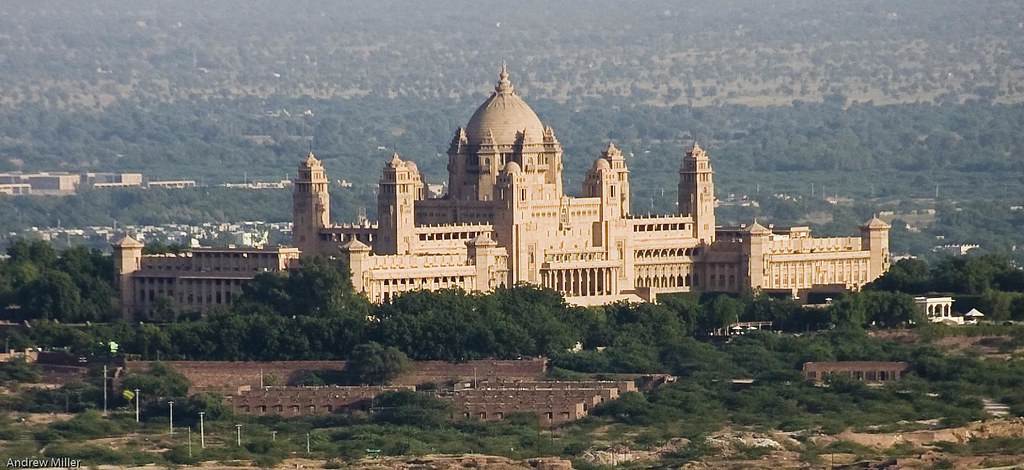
(665, 276)
(666, 252)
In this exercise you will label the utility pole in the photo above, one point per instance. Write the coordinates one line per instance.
(238, 428)
(307, 443)
(104, 389)
(170, 415)
(202, 434)
(137, 400)
(190, 442)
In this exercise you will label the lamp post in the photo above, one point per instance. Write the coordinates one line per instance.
(104, 389)
(137, 399)
(202, 434)
(170, 415)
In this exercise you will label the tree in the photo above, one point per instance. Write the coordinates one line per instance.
(410, 408)
(906, 275)
(997, 304)
(724, 310)
(849, 311)
(161, 380)
(18, 370)
(374, 364)
(53, 295)
(891, 309)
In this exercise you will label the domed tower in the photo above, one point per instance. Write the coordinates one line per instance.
(697, 193)
(503, 129)
(311, 205)
(608, 179)
(400, 187)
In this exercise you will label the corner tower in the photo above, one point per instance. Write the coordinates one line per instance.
(311, 205)
(697, 193)
(874, 236)
(127, 260)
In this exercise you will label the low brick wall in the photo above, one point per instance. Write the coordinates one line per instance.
(867, 371)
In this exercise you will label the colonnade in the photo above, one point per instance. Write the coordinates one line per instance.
(802, 274)
(384, 290)
(664, 275)
(581, 281)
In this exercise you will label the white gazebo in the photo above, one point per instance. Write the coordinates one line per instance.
(972, 317)
(938, 309)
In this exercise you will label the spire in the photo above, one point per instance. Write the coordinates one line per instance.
(489, 138)
(395, 160)
(128, 242)
(611, 151)
(875, 223)
(504, 85)
(695, 151)
(758, 229)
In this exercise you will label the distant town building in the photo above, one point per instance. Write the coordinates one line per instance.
(16, 189)
(259, 185)
(112, 180)
(505, 219)
(48, 183)
(955, 250)
(64, 183)
(172, 184)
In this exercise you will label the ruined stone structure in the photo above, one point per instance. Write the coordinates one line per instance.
(488, 390)
(553, 402)
(304, 401)
(196, 280)
(866, 371)
(506, 219)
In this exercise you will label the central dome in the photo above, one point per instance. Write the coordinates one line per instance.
(504, 115)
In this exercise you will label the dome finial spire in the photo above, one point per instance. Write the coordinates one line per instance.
(504, 85)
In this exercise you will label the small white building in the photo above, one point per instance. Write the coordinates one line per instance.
(938, 309)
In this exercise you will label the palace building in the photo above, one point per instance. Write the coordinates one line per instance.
(195, 280)
(506, 219)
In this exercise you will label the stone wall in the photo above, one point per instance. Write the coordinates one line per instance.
(484, 370)
(230, 377)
